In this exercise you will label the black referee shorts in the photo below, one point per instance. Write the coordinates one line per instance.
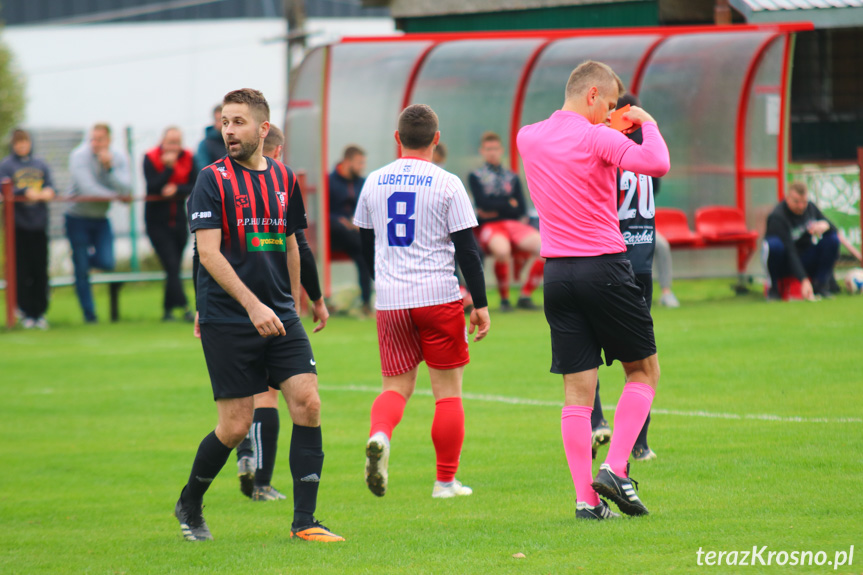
(242, 363)
(594, 304)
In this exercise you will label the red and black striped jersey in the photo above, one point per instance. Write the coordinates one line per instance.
(256, 211)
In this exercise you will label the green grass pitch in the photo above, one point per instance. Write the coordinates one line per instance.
(100, 425)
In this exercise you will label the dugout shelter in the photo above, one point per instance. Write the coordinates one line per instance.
(720, 95)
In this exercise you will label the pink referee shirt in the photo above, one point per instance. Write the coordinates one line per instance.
(570, 166)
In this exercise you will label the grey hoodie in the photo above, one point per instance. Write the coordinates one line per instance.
(90, 179)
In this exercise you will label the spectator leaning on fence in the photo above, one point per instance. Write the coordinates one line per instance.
(170, 173)
(31, 179)
(98, 172)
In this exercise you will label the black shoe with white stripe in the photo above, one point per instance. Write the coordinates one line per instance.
(192, 524)
(619, 489)
(601, 511)
(246, 473)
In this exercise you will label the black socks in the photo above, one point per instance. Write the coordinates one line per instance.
(265, 436)
(211, 457)
(307, 461)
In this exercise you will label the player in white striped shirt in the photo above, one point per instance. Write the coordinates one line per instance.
(414, 220)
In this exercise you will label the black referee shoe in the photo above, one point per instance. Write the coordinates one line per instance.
(192, 524)
(619, 489)
(600, 512)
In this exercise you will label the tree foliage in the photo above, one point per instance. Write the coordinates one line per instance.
(11, 93)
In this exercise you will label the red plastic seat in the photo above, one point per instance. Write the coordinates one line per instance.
(722, 224)
(725, 226)
(674, 227)
(336, 256)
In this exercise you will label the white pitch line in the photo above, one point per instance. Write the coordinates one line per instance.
(681, 413)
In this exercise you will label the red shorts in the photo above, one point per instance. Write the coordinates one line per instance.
(513, 230)
(436, 334)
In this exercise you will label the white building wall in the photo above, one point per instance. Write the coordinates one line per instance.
(147, 76)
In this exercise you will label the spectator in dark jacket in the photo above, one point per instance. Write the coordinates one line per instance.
(212, 147)
(31, 179)
(345, 184)
(800, 242)
(170, 174)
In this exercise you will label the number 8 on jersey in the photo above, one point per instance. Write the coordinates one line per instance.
(401, 226)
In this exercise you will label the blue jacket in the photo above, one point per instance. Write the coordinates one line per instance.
(211, 148)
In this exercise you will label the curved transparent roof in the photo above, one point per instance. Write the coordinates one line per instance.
(718, 94)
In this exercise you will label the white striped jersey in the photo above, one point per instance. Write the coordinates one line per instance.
(413, 206)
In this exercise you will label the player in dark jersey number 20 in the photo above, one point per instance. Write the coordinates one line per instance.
(245, 209)
(636, 211)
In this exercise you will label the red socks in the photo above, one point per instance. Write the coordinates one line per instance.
(387, 411)
(576, 431)
(501, 272)
(448, 436)
(629, 417)
(447, 428)
(534, 277)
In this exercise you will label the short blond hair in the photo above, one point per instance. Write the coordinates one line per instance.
(592, 73)
(490, 136)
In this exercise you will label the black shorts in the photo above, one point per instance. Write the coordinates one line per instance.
(645, 282)
(594, 304)
(242, 363)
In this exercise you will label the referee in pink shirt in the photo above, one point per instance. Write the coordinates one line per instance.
(592, 301)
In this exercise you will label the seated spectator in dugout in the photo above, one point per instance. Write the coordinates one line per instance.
(800, 242)
(346, 181)
(502, 217)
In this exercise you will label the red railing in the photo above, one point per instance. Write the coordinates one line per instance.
(11, 272)
(11, 278)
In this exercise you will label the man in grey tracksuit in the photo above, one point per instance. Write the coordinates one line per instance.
(98, 170)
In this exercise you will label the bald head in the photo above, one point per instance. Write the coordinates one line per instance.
(592, 74)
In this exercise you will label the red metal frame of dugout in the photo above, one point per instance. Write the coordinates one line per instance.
(518, 102)
(742, 173)
(324, 223)
(784, 96)
(780, 28)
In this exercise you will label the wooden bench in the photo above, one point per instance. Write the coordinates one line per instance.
(715, 227)
(114, 280)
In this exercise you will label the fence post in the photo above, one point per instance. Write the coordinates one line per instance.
(11, 269)
(134, 263)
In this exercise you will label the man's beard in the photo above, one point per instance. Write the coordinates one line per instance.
(246, 151)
